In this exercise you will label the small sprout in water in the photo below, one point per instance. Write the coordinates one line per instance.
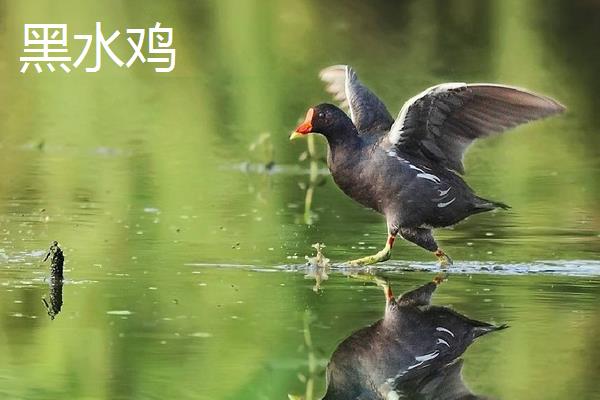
(319, 260)
(317, 267)
(57, 260)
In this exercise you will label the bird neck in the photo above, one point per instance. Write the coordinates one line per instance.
(390, 319)
(343, 137)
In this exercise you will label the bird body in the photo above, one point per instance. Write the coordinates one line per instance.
(409, 192)
(403, 353)
(409, 169)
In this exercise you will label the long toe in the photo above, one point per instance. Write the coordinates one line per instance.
(444, 261)
(362, 261)
(383, 255)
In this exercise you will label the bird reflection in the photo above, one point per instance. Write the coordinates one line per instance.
(412, 353)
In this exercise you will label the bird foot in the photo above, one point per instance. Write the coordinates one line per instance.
(370, 277)
(440, 278)
(381, 256)
(444, 260)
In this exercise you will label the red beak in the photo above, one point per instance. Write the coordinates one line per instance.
(306, 126)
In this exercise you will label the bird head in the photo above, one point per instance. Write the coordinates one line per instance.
(325, 119)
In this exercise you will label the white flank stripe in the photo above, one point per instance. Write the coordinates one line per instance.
(440, 329)
(423, 358)
(442, 205)
(427, 357)
(416, 168)
(430, 177)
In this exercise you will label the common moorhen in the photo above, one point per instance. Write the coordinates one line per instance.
(409, 169)
(411, 353)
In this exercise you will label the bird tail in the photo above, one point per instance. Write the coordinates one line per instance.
(499, 204)
(487, 328)
(482, 205)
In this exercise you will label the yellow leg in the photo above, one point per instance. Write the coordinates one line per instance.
(378, 280)
(381, 256)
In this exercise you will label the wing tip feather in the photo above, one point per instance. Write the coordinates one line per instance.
(511, 106)
(332, 72)
(525, 97)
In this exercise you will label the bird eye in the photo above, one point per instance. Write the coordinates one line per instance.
(321, 115)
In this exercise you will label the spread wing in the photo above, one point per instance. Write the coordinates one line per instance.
(441, 122)
(367, 111)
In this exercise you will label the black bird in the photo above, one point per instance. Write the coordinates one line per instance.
(412, 353)
(409, 169)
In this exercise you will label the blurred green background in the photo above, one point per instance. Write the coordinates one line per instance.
(156, 186)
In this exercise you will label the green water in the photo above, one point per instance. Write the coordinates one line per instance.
(184, 275)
